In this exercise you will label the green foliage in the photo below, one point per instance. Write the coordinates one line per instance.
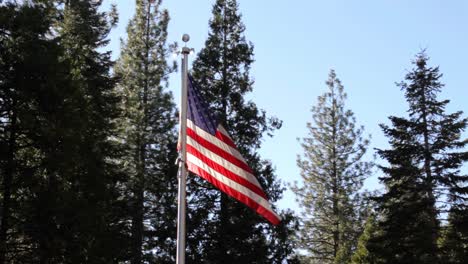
(221, 229)
(87, 167)
(333, 173)
(422, 158)
(95, 176)
(60, 195)
(362, 255)
(147, 127)
(408, 218)
(454, 244)
(33, 87)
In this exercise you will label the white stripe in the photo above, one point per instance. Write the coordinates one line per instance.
(224, 132)
(223, 162)
(232, 184)
(214, 140)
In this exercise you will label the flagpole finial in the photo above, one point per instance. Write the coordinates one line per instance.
(185, 38)
(185, 50)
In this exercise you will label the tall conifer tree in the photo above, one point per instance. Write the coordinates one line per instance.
(95, 209)
(34, 89)
(333, 173)
(148, 130)
(220, 229)
(423, 162)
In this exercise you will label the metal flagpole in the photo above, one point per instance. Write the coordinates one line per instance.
(182, 173)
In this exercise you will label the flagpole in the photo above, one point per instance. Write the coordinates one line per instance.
(182, 173)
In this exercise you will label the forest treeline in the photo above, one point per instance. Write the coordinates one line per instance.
(88, 151)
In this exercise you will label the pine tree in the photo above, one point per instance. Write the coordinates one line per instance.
(220, 229)
(455, 238)
(33, 87)
(9, 127)
(454, 246)
(408, 221)
(94, 207)
(147, 126)
(362, 255)
(423, 162)
(333, 173)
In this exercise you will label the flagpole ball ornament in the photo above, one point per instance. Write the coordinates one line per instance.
(185, 50)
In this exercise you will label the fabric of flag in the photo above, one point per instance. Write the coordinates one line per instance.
(212, 155)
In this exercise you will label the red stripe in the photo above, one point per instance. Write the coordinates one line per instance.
(218, 151)
(267, 214)
(221, 169)
(225, 139)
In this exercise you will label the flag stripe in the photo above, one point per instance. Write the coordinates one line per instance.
(225, 135)
(225, 180)
(221, 144)
(225, 138)
(219, 151)
(214, 163)
(244, 195)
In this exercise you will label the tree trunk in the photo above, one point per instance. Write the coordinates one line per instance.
(336, 233)
(137, 227)
(427, 166)
(138, 192)
(138, 218)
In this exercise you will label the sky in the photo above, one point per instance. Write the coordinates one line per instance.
(370, 44)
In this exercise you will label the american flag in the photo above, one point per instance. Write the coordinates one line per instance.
(212, 154)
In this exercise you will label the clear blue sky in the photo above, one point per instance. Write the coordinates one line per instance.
(369, 43)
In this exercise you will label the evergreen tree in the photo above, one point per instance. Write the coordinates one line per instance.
(455, 238)
(220, 229)
(408, 219)
(33, 87)
(423, 162)
(362, 255)
(8, 120)
(94, 207)
(454, 244)
(333, 173)
(147, 126)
